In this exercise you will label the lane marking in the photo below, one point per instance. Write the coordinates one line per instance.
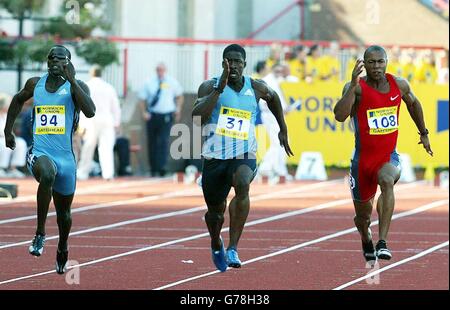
(174, 213)
(308, 243)
(194, 237)
(86, 190)
(401, 262)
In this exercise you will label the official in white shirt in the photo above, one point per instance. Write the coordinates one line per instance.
(101, 129)
(274, 162)
(161, 100)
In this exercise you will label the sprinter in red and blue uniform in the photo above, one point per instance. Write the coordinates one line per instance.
(373, 103)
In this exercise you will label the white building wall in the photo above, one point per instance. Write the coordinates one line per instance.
(225, 22)
(148, 18)
(286, 27)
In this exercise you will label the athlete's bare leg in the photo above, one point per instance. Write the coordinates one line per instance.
(240, 204)
(363, 211)
(387, 176)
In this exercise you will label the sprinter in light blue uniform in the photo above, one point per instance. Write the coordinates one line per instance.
(227, 107)
(54, 121)
(57, 100)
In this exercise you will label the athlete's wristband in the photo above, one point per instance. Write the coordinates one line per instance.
(424, 133)
(217, 87)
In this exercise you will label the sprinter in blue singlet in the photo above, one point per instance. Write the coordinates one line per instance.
(227, 106)
(57, 100)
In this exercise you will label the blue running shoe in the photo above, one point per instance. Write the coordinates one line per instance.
(37, 245)
(219, 258)
(233, 258)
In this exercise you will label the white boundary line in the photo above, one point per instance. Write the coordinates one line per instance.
(308, 243)
(401, 262)
(198, 236)
(108, 205)
(87, 190)
(174, 213)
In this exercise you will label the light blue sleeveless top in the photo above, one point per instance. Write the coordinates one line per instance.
(230, 132)
(54, 117)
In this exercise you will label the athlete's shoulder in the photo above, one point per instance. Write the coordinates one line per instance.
(347, 85)
(206, 87)
(260, 85)
(31, 82)
(84, 86)
(402, 83)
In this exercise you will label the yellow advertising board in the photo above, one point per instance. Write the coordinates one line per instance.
(312, 126)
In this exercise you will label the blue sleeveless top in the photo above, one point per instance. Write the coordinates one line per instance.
(230, 131)
(54, 117)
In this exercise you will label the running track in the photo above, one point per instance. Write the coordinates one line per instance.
(150, 234)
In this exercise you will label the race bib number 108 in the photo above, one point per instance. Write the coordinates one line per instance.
(382, 121)
(50, 119)
(234, 123)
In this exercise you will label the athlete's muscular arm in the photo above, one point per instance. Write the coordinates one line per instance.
(208, 94)
(15, 108)
(79, 90)
(206, 101)
(416, 112)
(263, 91)
(351, 92)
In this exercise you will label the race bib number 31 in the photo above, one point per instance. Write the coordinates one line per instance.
(234, 123)
(50, 119)
(382, 121)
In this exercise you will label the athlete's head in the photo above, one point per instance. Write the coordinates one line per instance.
(375, 62)
(57, 56)
(161, 70)
(95, 71)
(235, 54)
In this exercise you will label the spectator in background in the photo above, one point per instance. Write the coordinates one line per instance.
(297, 64)
(260, 70)
(426, 71)
(276, 53)
(315, 65)
(332, 64)
(394, 65)
(161, 98)
(10, 159)
(443, 70)
(408, 67)
(274, 162)
(100, 130)
(286, 75)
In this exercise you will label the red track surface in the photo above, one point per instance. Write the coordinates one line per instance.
(324, 264)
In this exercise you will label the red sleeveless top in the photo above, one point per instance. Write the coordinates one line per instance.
(376, 121)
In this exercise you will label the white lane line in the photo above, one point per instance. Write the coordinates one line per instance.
(88, 190)
(174, 213)
(198, 236)
(110, 204)
(308, 243)
(401, 262)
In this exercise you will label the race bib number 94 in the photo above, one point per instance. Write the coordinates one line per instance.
(382, 121)
(50, 119)
(234, 123)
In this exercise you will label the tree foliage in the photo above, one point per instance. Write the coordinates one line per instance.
(98, 51)
(90, 15)
(22, 7)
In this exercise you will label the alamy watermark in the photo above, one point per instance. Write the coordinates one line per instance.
(373, 12)
(187, 142)
(73, 15)
(373, 266)
(72, 275)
